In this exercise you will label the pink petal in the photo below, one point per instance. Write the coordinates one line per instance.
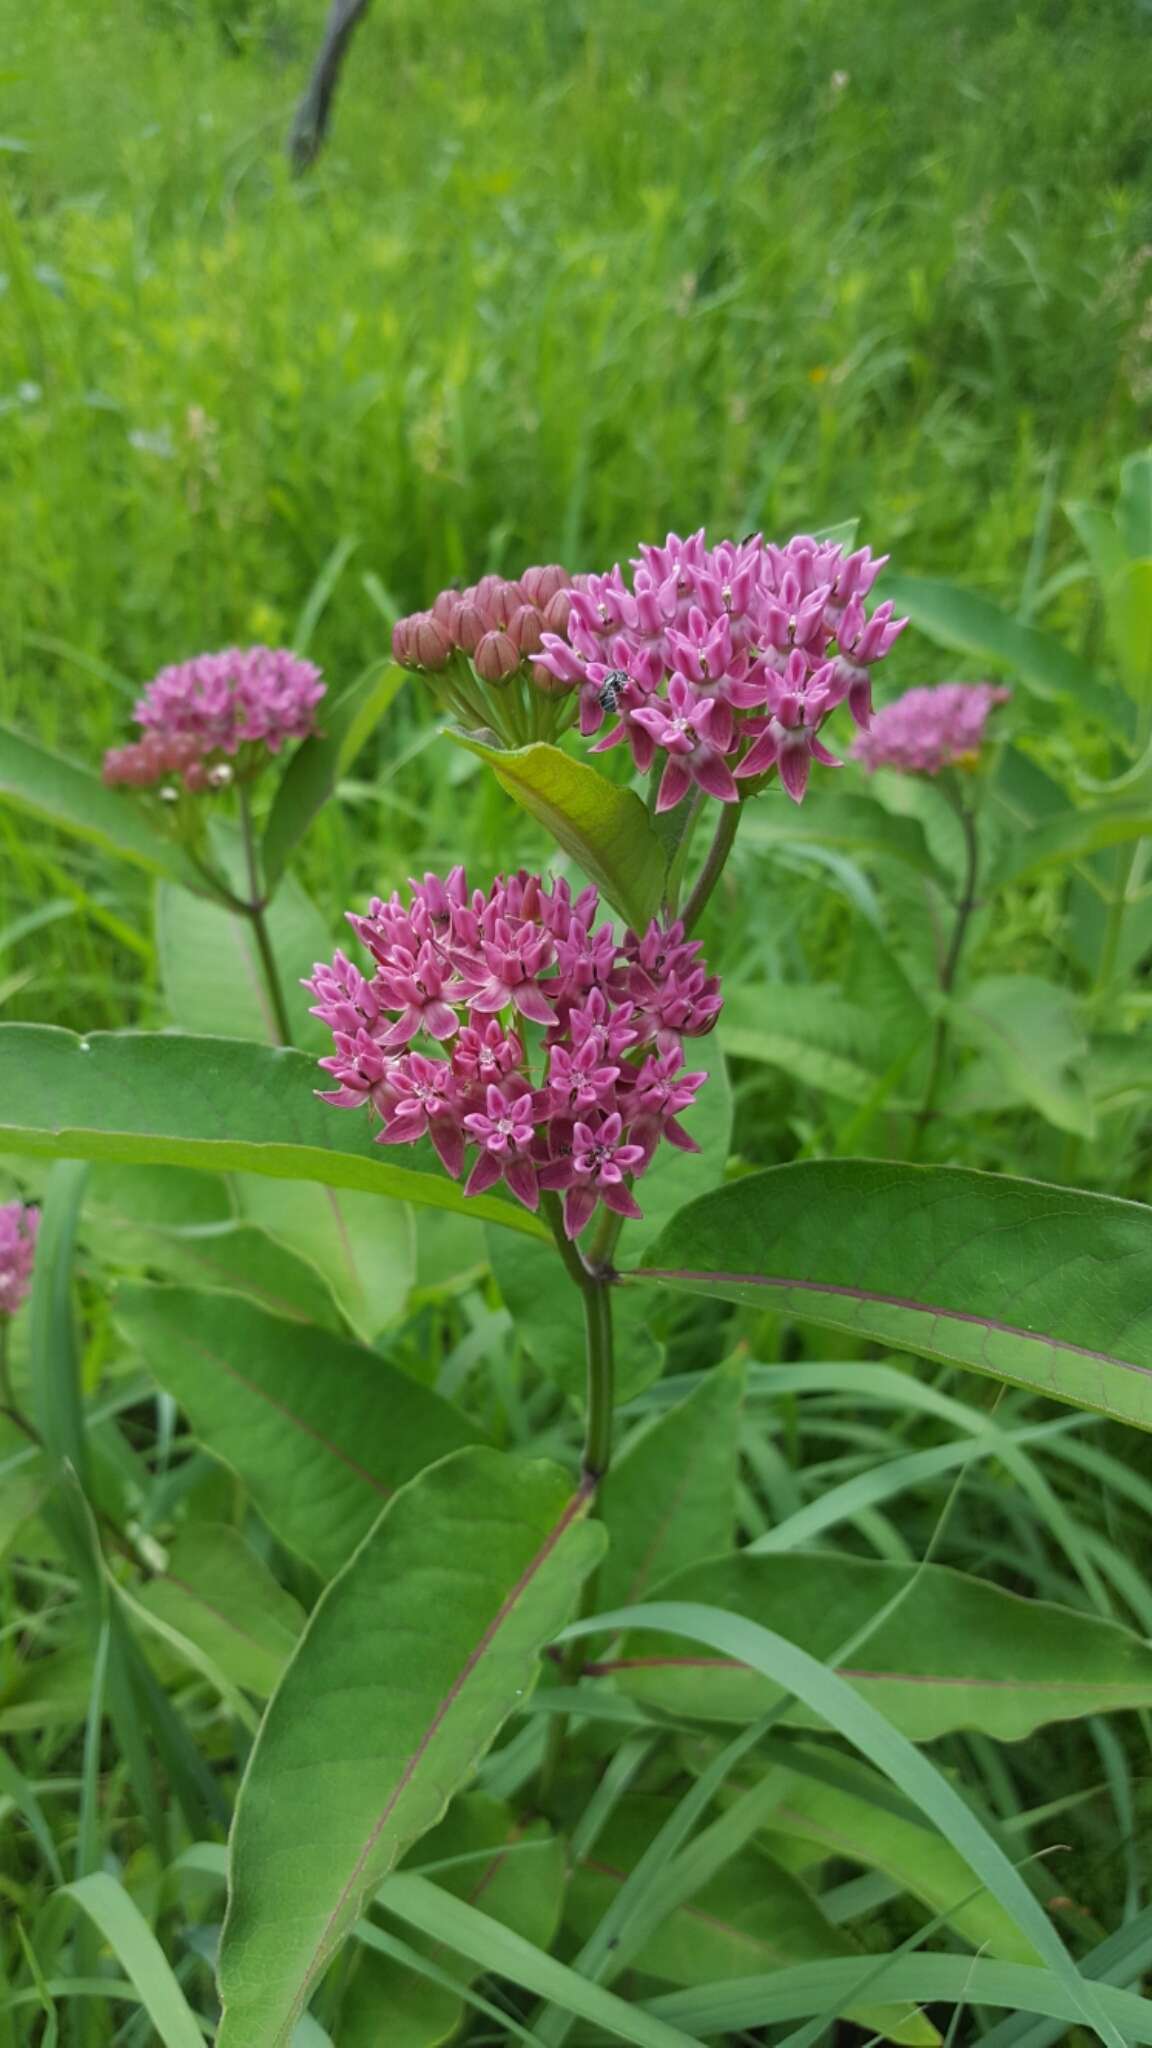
(579, 1204)
(674, 783)
(484, 1174)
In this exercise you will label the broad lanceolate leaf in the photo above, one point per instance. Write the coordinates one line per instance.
(671, 1498)
(752, 1916)
(72, 797)
(316, 767)
(216, 1591)
(1042, 1286)
(364, 1246)
(606, 830)
(834, 1806)
(321, 1431)
(411, 1663)
(211, 971)
(216, 1103)
(480, 1852)
(963, 620)
(955, 1652)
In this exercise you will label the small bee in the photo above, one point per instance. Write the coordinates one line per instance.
(608, 695)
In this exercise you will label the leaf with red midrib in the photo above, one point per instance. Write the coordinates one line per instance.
(410, 1664)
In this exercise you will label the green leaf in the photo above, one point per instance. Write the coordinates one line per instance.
(825, 1989)
(955, 1652)
(970, 624)
(215, 1103)
(1128, 602)
(671, 1498)
(132, 1941)
(1100, 537)
(735, 1639)
(479, 1850)
(211, 973)
(856, 823)
(72, 797)
(753, 1915)
(317, 765)
(217, 1592)
(1041, 1286)
(853, 1818)
(1134, 507)
(1071, 836)
(410, 1665)
(506, 1954)
(236, 1256)
(321, 1431)
(364, 1246)
(605, 829)
(1032, 1036)
(813, 1034)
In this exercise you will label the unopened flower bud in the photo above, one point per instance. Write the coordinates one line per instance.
(524, 629)
(557, 612)
(541, 584)
(552, 686)
(469, 626)
(430, 642)
(402, 642)
(444, 608)
(496, 658)
(488, 591)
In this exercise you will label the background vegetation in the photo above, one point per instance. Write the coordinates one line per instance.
(567, 276)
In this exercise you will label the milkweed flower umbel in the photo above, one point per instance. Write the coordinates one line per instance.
(525, 1040)
(205, 721)
(726, 661)
(18, 1228)
(926, 730)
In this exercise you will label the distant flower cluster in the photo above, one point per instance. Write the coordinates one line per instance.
(725, 660)
(929, 729)
(465, 969)
(18, 1228)
(199, 715)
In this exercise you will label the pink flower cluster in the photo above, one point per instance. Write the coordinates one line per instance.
(929, 729)
(726, 660)
(18, 1227)
(198, 715)
(497, 624)
(466, 969)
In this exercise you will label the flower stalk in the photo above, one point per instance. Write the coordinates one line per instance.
(966, 903)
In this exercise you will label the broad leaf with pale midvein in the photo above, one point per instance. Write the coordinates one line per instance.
(605, 828)
(150, 1098)
(1042, 1286)
(933, 1649)
(321, 1431)
(410, 1664)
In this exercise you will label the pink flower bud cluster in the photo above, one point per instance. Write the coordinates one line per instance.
(198, 715)
(725, 660)
(497, 624)
(929, 729)
(18, 1228)
(461, 971)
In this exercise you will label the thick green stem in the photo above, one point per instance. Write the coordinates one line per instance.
(714, 864)
(1114, 930)
(594, 1282)
(594, 1279)
(254, 910)
(948, 972)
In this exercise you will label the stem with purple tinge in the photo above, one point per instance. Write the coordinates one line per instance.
(714, 865)
(253, 909)
(966, 904)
